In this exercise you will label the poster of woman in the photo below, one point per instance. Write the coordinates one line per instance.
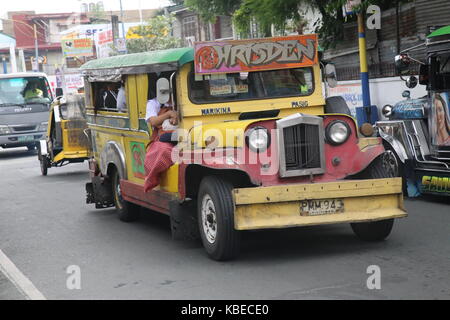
(441, 117)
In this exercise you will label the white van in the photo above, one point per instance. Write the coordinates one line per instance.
(25, 100)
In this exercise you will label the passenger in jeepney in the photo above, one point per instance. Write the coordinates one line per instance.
(442, 121)
(121, 97)
(163, 120)
(107, 96)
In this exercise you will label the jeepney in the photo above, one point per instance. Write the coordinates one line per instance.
(418, 130)
(66, 140)
(259, 146)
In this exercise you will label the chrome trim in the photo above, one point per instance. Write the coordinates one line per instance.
(291, 121)
(402, 147)
(113, 154)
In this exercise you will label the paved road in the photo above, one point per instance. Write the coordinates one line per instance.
(45, 227)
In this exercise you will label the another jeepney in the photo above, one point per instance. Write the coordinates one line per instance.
(418, 130)
(259, 147)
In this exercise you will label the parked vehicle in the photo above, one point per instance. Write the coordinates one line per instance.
(259, 145)
(418, 130)
(25, 100)
(66, 141)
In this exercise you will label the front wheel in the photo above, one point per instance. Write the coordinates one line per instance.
(373, 231)
(44, 165)
(385, 166)
(128, 212)
(216, 219)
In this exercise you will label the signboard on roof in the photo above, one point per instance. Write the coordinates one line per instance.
(78, 47)
(231, 56)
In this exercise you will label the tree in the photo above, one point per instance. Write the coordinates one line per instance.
(154, 35)
(280, 12)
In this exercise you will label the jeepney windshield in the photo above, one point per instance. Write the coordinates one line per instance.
(216, 88)
(24, 90)
(74, 108)
(442, 63)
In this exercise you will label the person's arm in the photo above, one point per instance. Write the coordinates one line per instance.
(152, 116)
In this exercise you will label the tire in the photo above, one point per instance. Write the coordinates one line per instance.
(31, 148)
(215, 209)
(44, 165)
(373, 231)
(128, 212)
(378, 230)
(401, 168)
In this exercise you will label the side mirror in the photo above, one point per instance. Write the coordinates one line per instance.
(412, 82)
(59, 92)
(163, 90)
(330, 75)
(402, 64)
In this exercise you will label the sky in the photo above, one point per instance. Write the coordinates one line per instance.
(56, 6)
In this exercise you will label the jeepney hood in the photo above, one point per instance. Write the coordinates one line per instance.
(225, 134)
(410, 109)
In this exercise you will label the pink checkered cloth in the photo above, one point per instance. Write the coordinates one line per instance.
(157, 160)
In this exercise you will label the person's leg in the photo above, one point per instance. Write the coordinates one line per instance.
(157, 160)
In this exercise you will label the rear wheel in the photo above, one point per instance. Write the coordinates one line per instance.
(128, 212)
(216, 219)
(385, 166)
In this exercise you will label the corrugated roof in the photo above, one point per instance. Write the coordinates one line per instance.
(180, 56)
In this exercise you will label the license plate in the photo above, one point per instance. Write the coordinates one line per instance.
(321, 207)
(25, 138)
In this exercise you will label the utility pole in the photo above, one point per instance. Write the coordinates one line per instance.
(36, 48)
(123, 25)
(363, 66)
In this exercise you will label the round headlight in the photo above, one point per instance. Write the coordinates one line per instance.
(258, 139)
(387, 110)
(338, 132)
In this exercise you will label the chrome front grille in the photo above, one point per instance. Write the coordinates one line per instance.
(301, 145)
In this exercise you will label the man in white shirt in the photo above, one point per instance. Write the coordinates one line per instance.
(121, 97)
(154, 119)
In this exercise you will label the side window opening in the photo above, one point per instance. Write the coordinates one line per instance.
(105, 95)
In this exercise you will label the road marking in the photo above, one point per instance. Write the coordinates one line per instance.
(22, 283)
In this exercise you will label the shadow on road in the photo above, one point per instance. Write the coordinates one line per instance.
(261, 246)
(16, 153)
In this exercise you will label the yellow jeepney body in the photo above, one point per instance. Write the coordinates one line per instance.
(119, 140)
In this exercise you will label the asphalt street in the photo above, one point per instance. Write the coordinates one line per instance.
(46, 227)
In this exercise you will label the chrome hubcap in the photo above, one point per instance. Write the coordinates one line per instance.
(209, 219)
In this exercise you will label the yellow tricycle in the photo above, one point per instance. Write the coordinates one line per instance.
(67, 141)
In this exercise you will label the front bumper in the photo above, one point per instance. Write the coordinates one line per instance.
(279, 206)
(22, 139)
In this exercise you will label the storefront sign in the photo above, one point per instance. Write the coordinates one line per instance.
(105, 37)
(78, 47)
(256, 54)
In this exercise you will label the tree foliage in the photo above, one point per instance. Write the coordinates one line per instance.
(281, 12)
(156, 34)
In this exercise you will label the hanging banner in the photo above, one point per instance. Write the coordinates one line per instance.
(440, 124)
(349, 7)
(256, 54)
(78, 47)
(105, 37)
